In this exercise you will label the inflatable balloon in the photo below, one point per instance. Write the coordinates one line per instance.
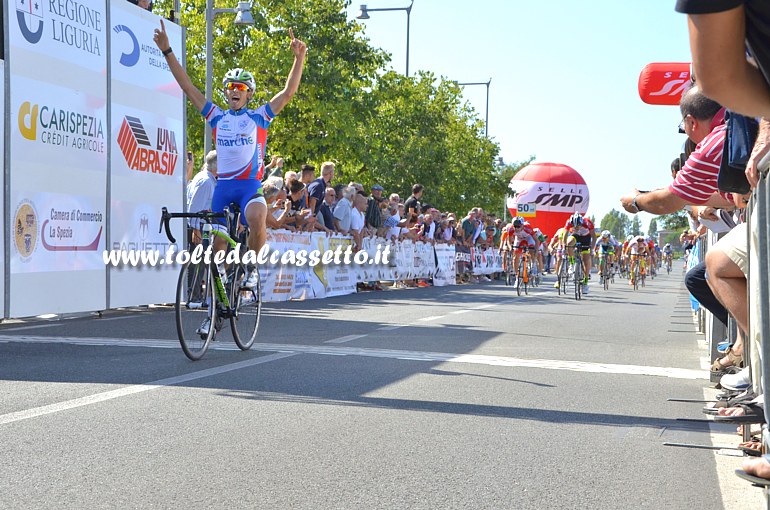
(664, 83)
(546, 194)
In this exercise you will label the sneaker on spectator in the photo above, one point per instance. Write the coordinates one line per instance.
(736, 382)
(723, 347)
(377, 286)
(250, 281)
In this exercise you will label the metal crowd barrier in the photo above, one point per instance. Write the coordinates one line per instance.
(759, 284)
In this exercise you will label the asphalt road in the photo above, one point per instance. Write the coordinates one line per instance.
(461, 397)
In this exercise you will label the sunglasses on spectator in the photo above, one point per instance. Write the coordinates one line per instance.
(232, 85)
(682, 124)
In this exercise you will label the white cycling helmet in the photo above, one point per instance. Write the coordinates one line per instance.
(240, 75)
(576, 220)
(606, 234)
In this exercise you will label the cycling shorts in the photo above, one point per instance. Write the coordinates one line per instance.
(241, 192)
(607, 249)
(585, 242)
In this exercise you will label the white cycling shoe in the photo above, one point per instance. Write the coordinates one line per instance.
(250, 281)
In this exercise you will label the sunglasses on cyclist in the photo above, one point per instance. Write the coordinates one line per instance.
(234, 85)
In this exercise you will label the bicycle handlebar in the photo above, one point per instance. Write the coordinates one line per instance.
(165, 219)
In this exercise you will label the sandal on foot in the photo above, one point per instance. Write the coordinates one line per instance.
(762, 482)
(751, 448)
(730, 360)
(754, 413)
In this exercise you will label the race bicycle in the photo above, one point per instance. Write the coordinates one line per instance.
(509, 270)
(524, 271)
(208, 292)
(606, 270)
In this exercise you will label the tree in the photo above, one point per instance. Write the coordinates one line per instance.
(636, 227)
(675, 221)
(652, 231)
(617, 223)
(502, 191)
(380, 127)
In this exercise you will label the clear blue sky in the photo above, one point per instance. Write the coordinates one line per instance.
(564, 79)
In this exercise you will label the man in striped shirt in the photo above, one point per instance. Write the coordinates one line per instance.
(696, 182)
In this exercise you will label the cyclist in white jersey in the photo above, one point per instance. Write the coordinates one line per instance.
(241, 136)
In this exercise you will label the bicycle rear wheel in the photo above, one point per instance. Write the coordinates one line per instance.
(246, 309)
(194, 306)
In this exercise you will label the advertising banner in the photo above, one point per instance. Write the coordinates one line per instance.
(73, 32)
(2, 178)
(58, 154)
(463, 259)
(486, 261)
(340, 278)
(445, 270)
(147, 153)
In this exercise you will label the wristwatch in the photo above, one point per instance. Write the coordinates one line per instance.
(635, 205)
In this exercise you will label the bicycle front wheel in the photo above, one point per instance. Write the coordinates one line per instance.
(246, 309)
(194, 309)
(578, 279)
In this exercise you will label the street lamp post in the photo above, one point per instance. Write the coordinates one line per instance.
(364, 14)
(486, 115)
(243, 17)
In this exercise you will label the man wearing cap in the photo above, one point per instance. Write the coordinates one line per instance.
(373, 212)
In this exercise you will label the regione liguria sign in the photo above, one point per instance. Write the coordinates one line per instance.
(72, 30)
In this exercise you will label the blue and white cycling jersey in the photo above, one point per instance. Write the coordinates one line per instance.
(241, 139)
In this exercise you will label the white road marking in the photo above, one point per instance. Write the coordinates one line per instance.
(431, 318)
(391, 328)
(482, 307)
(59, 323)
(476, 359)
(138, 388)
(458, 312)
(343, 339)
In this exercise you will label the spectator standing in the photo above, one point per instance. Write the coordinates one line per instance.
(317, 189)
(468, 228)
(357, 221)
(343, 211)
(200, 190)
(274, 168)
(373, 211)
(412, 205)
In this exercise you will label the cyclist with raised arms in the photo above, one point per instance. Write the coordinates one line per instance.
(241, 138)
